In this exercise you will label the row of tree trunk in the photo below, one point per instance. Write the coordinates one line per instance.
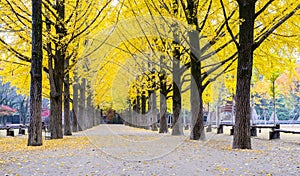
(141, 117)
(84, 114)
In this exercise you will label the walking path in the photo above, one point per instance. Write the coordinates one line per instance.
(120, 150)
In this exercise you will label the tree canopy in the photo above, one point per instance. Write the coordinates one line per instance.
(194, 52)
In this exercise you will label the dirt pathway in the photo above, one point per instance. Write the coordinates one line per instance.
(120, 150)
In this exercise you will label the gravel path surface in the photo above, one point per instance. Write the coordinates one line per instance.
(120, 150)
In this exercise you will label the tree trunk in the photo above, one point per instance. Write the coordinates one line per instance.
(241, 139)
(74, 122)
(138, 112)
(81, 109)
(56, 83)
(56, 114)
(67, 122)
(24, 111)
(96, 117)
(35, 126)
(197, 125)
(75, 104)
(128, 118)
(89, 114)
(163, 126)
(153, 111)
(274, 100)
(143, 108)
(101, 116)
(56, 86)
(134, 114)
(177, 128)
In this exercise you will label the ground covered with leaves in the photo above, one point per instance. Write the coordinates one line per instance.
(121, 150)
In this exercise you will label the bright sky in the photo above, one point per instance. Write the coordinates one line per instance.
(115, 2)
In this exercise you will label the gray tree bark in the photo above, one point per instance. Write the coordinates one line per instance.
(177, 128)
(197, 125)
(56, 74)
(163, 126)
(153, 111)
(75, 104)
(35, 126)
(241, 138)
(82, 106)
(67, 121)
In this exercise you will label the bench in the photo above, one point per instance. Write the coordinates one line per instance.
(277, 126)
(22, 131)
(253, 129)
(287, 131)
(275, 134)
(10, 130)
(220, 128)
(272, 134)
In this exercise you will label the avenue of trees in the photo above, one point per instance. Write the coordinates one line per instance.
(124, 54)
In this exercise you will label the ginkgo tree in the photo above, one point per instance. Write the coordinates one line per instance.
(139, 28)
(200, 18)
(109, 46)
(35, 126)
(275, 81)
(258, 20)
(69, 25)
(66, 23)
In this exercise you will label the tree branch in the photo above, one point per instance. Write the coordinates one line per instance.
(260, 40)
(18, 15)
(17, 54)
(186, 89)
(92, 22)
(218, 65)
(73, 12)
(218, 75)
(206, 17)
(263, 9)
(227, 25)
